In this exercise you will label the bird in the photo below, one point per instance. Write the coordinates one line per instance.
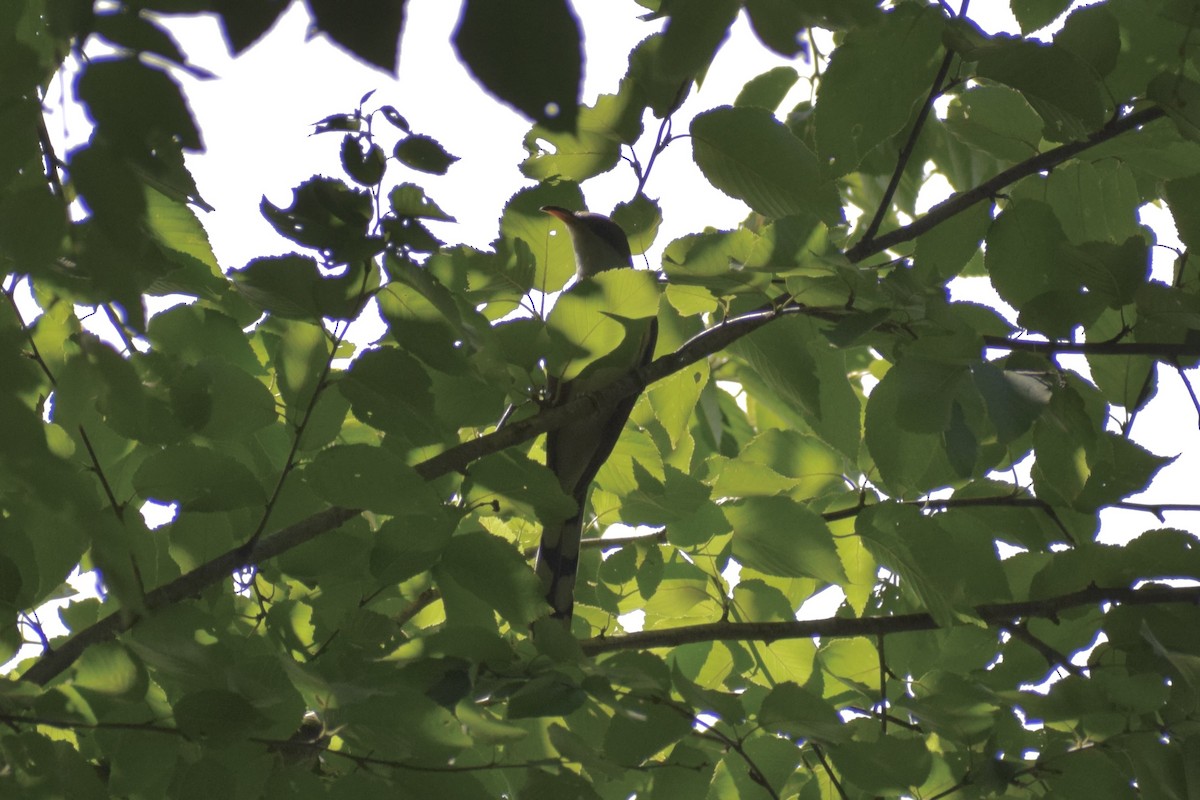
(576, 451)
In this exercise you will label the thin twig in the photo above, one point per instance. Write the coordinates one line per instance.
(828, 770)
(910, 145)
(1021, 632)
(883, 676)
(1191, 392)
(1165, 350)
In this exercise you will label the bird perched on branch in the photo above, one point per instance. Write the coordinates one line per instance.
(575, 452)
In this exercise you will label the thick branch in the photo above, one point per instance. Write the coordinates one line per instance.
(194, 582)
(837, 627)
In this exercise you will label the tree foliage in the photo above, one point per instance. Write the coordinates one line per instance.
(343, 604)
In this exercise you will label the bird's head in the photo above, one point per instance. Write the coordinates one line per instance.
(599, 242)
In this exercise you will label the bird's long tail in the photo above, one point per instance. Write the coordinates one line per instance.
(558, 563)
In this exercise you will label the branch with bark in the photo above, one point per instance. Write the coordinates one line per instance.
(997, 614)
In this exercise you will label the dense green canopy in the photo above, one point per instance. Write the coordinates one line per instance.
(344, 604)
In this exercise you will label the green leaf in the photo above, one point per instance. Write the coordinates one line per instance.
(779, 355)
(1033, 15)
(377, 42)
(216, 713)
(198, 479)
(1183, 198)
(1126, 381)
(873, 83)
(640, 730)
(749, 155)
(229, 403)
(517, 485)
(427, 319)
(410, 200)
(794, 711)
(739, 478)
(1180, 96)
(703, 267)
(779, 461)
(640, 218)
(778, 25)
(32, 225)
(192, 333)
(408, 545)
(683, 597)
(945, 251)
(593, 148)
(536, 255)
(889, 765)
(424, 154)
(726, 706)
(599, 316)
(135, 32)
(111, 669)
(927, 390)
(282, 285)
(244, 23)
(1023, 252)
(1060, 87)
(365, 166)
(1092, 774)
(778, 536)
(402, 720)
(674, 399)
(1112, 272)
(375, 478)
(1118, 468)
(550, 694)
(996, 119)
(390, 390)
(528, 54)
(676, 499)
(484, 727)
(1093, 34)
(768, 89)
(1064, 440)
(494, 571)
(909, 463)
(695, 30)
(1014, 399)
(329, 216)
(136, 104)
(300, 357)
(1095, 202)
(886, 530)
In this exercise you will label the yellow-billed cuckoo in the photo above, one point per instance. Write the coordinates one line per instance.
(576, 451)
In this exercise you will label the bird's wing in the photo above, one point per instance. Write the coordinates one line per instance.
(575, 453)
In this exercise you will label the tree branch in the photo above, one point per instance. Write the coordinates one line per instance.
(1164, 350)
(838, 627)
(960, 202)
(194, 582)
